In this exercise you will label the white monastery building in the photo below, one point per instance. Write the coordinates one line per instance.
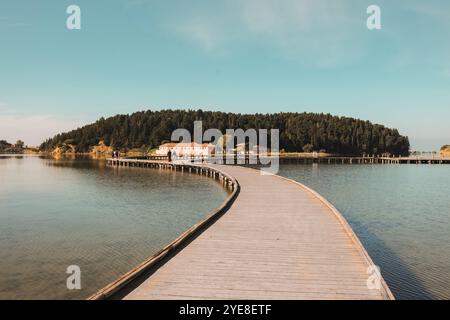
(186, 149)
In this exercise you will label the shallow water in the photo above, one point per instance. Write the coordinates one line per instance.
(56, 213)
(401, 213)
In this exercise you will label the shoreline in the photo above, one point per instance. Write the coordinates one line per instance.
(287, 158)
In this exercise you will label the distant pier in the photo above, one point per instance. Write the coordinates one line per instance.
(286, 158)
(365, 160)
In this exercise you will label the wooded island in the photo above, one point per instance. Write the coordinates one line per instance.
(298, 131)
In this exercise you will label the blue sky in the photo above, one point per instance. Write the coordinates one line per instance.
(232, 55)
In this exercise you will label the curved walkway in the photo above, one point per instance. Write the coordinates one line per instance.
(278, 240)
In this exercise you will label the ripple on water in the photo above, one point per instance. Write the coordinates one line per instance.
(58, 213)
(401, 213)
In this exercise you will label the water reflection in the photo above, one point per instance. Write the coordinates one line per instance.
(56, 213)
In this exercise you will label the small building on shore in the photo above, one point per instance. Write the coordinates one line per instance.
(187, 149)
(245, 148)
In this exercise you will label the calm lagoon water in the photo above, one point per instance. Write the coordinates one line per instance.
(56, 213)
(401, 213)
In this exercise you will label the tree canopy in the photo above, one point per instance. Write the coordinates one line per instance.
(6, 147)
(298, 131)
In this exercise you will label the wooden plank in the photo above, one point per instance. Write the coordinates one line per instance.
(278, 240)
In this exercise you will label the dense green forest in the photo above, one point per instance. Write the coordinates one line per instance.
(6, 147)
(298, 131)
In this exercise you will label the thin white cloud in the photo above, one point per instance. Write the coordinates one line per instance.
(440, 12)
(317, 31)
(291, 16)
(201, 34)
(33, 130)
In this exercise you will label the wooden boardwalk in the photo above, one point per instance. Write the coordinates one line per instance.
(277, 240)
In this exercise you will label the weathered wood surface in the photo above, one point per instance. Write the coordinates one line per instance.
(278, 240)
